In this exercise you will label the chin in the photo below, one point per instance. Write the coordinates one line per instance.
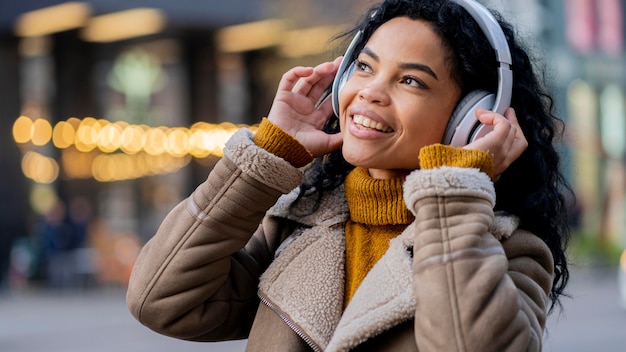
(350, 159)
(363, 162)
(356, 161)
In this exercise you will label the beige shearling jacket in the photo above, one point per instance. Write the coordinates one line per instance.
(459, 278)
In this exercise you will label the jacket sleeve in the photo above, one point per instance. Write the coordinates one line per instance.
(473, 291)
(197, 278)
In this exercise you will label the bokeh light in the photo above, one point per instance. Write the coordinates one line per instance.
(42, 132)
(113, 151)
(40, 168)
(23, 130)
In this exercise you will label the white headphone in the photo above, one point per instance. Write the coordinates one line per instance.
(463, 127)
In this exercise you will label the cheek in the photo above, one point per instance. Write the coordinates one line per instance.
(343, 102)
(440, 126)
(436, 120)
(424, 129)
(341, 117)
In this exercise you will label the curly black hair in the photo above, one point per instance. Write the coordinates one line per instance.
(533, 187)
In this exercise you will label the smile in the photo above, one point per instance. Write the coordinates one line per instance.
(366, 122)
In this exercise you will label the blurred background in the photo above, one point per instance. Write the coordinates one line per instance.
(112, 111)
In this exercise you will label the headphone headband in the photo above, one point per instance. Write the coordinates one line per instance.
(490, 27)
(496, 38)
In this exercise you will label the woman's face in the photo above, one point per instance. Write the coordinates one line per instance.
(398, 100)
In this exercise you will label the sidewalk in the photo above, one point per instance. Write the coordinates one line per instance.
(89, 321)
(592, 318)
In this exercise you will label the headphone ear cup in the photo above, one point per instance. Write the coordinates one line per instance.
(463, 125)
(342, 78)
(346, 76)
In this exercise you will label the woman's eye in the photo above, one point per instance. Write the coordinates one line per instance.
(414, 82)
(362, 66)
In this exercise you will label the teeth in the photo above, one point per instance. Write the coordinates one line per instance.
(369, 123)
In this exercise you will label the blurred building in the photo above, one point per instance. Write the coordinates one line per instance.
(112, 111)
(580, 43)
(587, 52)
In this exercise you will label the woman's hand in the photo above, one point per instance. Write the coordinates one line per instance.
(505, 143)
(294, 108)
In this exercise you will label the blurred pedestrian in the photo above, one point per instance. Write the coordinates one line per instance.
(57, 241)
(13, 209)
(360, 229)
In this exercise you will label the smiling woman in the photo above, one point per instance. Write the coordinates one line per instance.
(346, 224)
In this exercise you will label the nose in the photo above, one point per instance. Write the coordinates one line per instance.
(375, 92)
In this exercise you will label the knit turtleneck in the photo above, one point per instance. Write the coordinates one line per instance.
(377, 214)
(376, 201)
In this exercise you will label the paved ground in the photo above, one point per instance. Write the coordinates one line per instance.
(593, 319)
(93, 321)
(98, 321)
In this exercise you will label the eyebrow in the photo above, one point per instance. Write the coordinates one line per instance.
(405, 65)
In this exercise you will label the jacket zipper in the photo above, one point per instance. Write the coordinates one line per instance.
(307, 339)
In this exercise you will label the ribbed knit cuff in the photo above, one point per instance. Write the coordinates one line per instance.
(280, 143)
(437, 155)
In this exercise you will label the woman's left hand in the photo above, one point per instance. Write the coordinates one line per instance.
(505, 143)
(295, 109)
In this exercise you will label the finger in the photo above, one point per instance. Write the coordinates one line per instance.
(492, 118)
(319, 89)
(497, 141)
(486, 117)
(316, 84)
(290, 78)
(510, 115)
(305, 85)
(517, 137)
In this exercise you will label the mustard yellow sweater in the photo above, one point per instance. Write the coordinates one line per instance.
(377, 209)
(377, 214)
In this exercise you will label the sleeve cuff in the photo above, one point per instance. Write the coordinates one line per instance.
(438, 155)
(280, 143)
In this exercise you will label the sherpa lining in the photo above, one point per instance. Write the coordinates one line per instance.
(259, 164)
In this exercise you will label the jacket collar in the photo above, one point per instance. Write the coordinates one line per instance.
(332, 210)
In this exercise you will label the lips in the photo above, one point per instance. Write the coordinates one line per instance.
(366, 122)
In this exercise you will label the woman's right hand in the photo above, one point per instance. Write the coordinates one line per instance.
(294, 108)
(505, 143)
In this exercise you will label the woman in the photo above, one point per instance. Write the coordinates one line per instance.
(389, 240)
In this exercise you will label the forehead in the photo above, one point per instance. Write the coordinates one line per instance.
(406, 40)
(407, 37)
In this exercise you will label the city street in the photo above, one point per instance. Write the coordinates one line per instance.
(98, 321)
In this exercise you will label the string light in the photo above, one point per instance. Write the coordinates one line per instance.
(113, 151)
